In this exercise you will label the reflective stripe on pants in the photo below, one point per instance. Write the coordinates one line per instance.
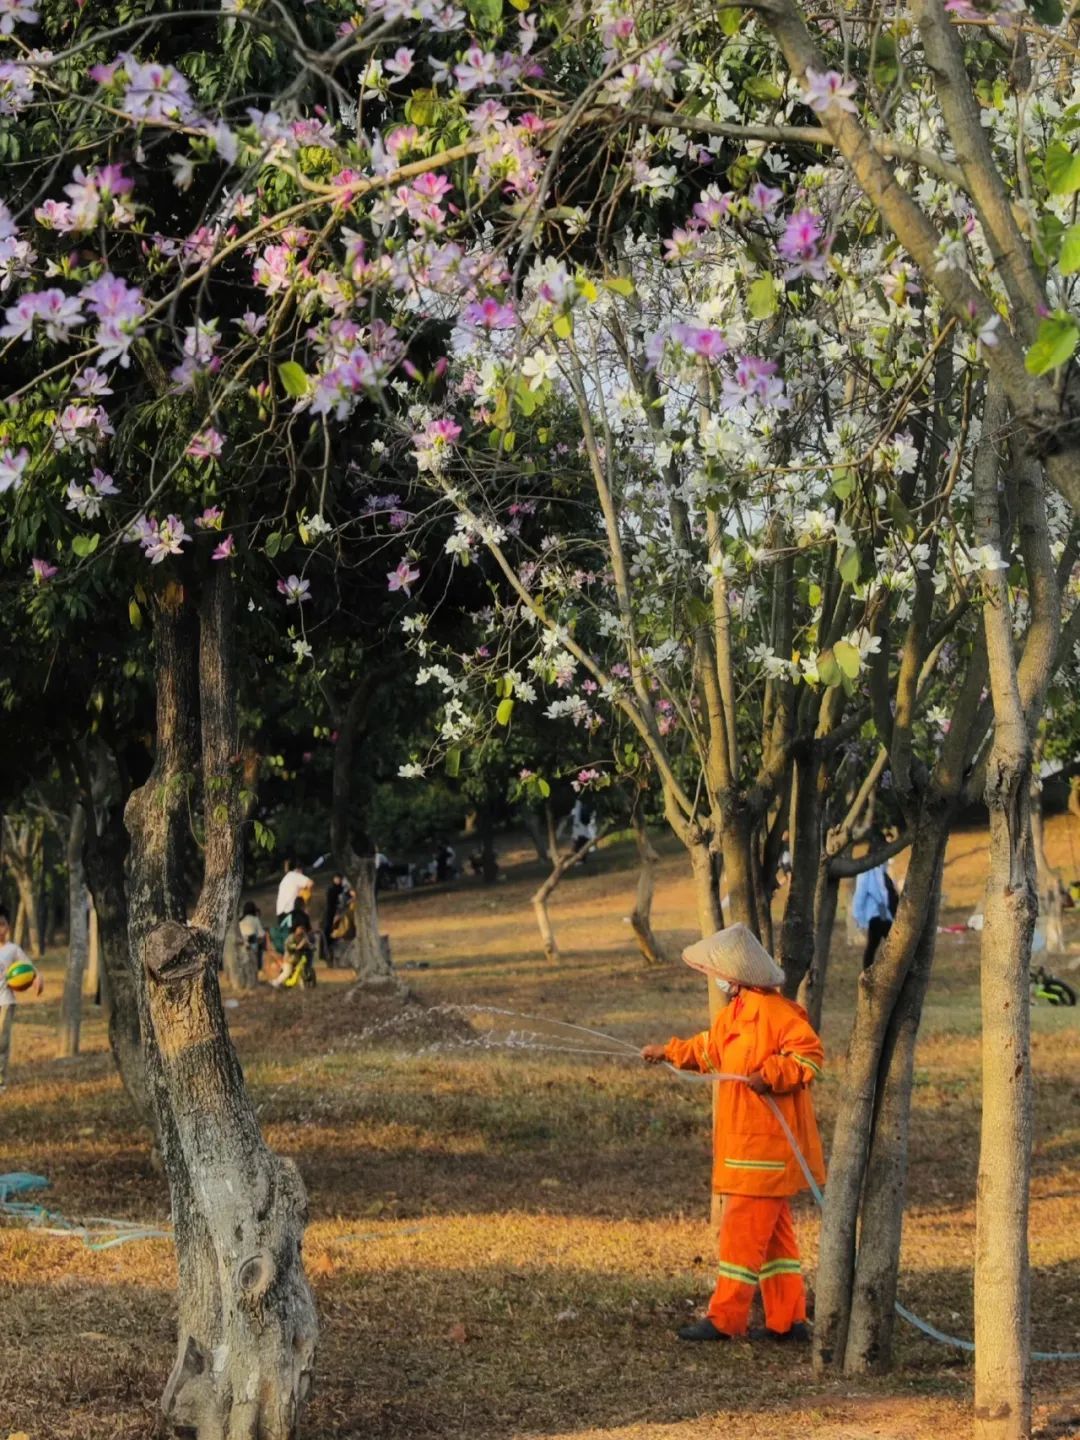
(757, 1247)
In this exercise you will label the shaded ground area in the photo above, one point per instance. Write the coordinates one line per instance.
(502, 1244)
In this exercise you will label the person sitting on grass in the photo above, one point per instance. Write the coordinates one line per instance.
(769, 1042)
(297, 964)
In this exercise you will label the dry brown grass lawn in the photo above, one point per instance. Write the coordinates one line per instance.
(502, 1245)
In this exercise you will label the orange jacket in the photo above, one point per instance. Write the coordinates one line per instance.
(759, 1030)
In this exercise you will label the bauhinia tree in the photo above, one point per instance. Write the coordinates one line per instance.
(260, 263)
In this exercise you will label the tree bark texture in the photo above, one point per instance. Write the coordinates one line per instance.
(78, 937)
(880, 989)
(247, 1324)
(22, 841)
(106, 853)
(641, 916)
(1002, 1271)
(826, 895)
(873, 1300)
(367, 955)
(1050, 888)
(560, 865)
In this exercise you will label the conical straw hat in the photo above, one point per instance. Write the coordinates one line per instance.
(738, 955)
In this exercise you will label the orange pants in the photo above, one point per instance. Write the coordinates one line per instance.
(757, 1247)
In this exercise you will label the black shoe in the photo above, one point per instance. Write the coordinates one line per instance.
(702, 1330)
(799, 1334)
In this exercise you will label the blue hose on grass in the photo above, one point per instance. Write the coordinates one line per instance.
(109, 1233)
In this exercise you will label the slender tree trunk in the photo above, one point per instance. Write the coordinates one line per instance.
(1002, 1272)
(826, 895)
(247, 1324)
(870, 1331)
(1002, 1286)
(641, 916)
(21, 924)
(367, 954)
(1050, 890)
(78, 937)
(562, 863)
(105, 853)
(22, 863)
(93, 955)
(706, 896)
(795, 952)
(241, 962)
(879, 990)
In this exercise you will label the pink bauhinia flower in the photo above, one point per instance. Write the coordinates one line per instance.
(295, 590)
(206, 445)
(489, 314)
(42, 571)
(160, 541)
(822, 89)
(226, 549)
(12, 465)
(403, 578)
(803, 246)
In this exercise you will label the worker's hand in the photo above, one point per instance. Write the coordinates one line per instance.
(39, 984)
(653, 1054)
(757, 1084)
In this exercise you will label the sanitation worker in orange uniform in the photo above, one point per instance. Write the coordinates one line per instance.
(769, 1041)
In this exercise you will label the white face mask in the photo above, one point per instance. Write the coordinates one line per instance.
(726, 987)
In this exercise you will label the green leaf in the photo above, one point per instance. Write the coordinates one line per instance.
(850, 565)
(453, 763)
(814, 595)
(730, 20)
(843, 485)
(485, 14)
(421, 108)
(563, 326)
(1047, 12)
(544, 788)
(828, 670)
(527, 400)
(1055, 342)
(900, 515)
(762, 298)
(294, 379)
(85, 545)
(505, 710)
(620, 285)
(763, 87)
(134, 614)
(848, 658)
(273, 543)
(1062, 170)
(1069, 261)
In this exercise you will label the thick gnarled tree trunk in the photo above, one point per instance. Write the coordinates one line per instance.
(247, 1324)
